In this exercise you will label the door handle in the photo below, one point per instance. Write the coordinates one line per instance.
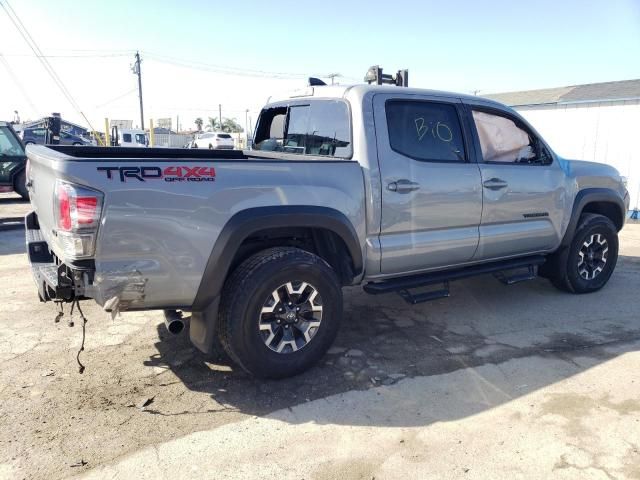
(403, 186)
(495, 184)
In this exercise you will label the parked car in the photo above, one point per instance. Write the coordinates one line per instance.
(12, 162)
(214, 141)
(396, 189)
(32, 136)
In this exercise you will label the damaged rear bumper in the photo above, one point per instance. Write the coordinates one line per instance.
(54, 279)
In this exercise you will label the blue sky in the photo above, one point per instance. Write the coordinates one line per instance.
(489, 46)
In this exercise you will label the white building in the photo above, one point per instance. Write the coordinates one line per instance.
(598, 121)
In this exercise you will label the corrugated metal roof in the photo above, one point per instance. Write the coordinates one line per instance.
(621, 90)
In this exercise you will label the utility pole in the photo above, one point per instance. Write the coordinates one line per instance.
(135, 68)
(220, 115)
(332, 76)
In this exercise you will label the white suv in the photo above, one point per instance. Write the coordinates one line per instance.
(214, 141)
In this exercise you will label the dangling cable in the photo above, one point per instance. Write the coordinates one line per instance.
(84, 323)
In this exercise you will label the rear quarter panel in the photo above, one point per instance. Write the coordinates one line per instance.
(156, 236)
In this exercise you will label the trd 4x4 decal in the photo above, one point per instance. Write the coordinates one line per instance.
(181, 173)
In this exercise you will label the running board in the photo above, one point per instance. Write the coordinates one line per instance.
(402, 285)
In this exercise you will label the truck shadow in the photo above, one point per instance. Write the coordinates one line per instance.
(383, 341)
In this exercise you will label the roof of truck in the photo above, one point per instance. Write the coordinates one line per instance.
(341, 91)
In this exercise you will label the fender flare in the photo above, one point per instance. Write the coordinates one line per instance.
(584, 197)
(243, 224)
(204, 312)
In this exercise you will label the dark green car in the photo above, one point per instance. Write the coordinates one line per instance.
(12, 162)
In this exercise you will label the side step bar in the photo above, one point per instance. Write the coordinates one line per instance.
(404, 284)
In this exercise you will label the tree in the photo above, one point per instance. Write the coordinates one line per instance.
(230, 125)
(214, 124)
(199, 123)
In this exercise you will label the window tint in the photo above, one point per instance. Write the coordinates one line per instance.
(320, 128)
(425, 130)
(126, 137)
(503, 141)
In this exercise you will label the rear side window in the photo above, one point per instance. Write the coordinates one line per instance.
(425, 130)
(320, 128)
(126, 137)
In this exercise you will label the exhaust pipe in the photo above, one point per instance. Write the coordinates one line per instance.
(173, 321)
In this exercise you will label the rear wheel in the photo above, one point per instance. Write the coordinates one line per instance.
(19, 185)
(587, 264)
(280, 312)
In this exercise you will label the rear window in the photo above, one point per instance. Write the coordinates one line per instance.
(320, 128)
(426, 131)
(224, 135)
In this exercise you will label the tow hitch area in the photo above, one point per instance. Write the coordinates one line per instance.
(56, 281)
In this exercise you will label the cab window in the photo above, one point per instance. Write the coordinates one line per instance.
(424, 130)
(319, 128)
(502, 140)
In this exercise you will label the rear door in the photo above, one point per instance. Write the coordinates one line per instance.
(431, 194)
(523, 187)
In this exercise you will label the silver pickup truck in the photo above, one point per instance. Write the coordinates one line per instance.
(396, 189)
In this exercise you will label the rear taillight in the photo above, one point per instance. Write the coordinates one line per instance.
(77, 217)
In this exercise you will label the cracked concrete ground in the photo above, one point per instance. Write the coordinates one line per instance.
(494, 382)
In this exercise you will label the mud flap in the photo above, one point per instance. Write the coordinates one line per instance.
(203, 327)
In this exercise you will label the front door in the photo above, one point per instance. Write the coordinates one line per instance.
(523, 188)
(431, 192)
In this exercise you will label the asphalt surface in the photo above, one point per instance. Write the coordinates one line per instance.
(494, 382)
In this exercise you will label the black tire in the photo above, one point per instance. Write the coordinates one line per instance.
(19, 185)
(243, 299)
(563, 267)
(76, 144)
(210, 147)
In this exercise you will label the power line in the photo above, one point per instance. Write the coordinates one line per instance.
(24, 33)
(77, 55)
(226, 70)
(115, 99)
(18, 84)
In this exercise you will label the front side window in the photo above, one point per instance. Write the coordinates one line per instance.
(504, 141)
(9, 145)
(426, 131)
(320, 128)
(141, 139)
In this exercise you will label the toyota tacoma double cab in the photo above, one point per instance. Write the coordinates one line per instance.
(396, 189)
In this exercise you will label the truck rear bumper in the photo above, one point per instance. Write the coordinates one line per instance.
(53, 278)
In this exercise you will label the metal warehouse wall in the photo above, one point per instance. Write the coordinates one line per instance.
(607, 132)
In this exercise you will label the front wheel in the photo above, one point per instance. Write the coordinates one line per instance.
(587, 264)
(280, 312)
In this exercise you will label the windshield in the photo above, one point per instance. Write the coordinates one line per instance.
(9, 144)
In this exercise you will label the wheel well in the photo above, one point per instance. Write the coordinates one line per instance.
(608, 209)
(320, 241)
